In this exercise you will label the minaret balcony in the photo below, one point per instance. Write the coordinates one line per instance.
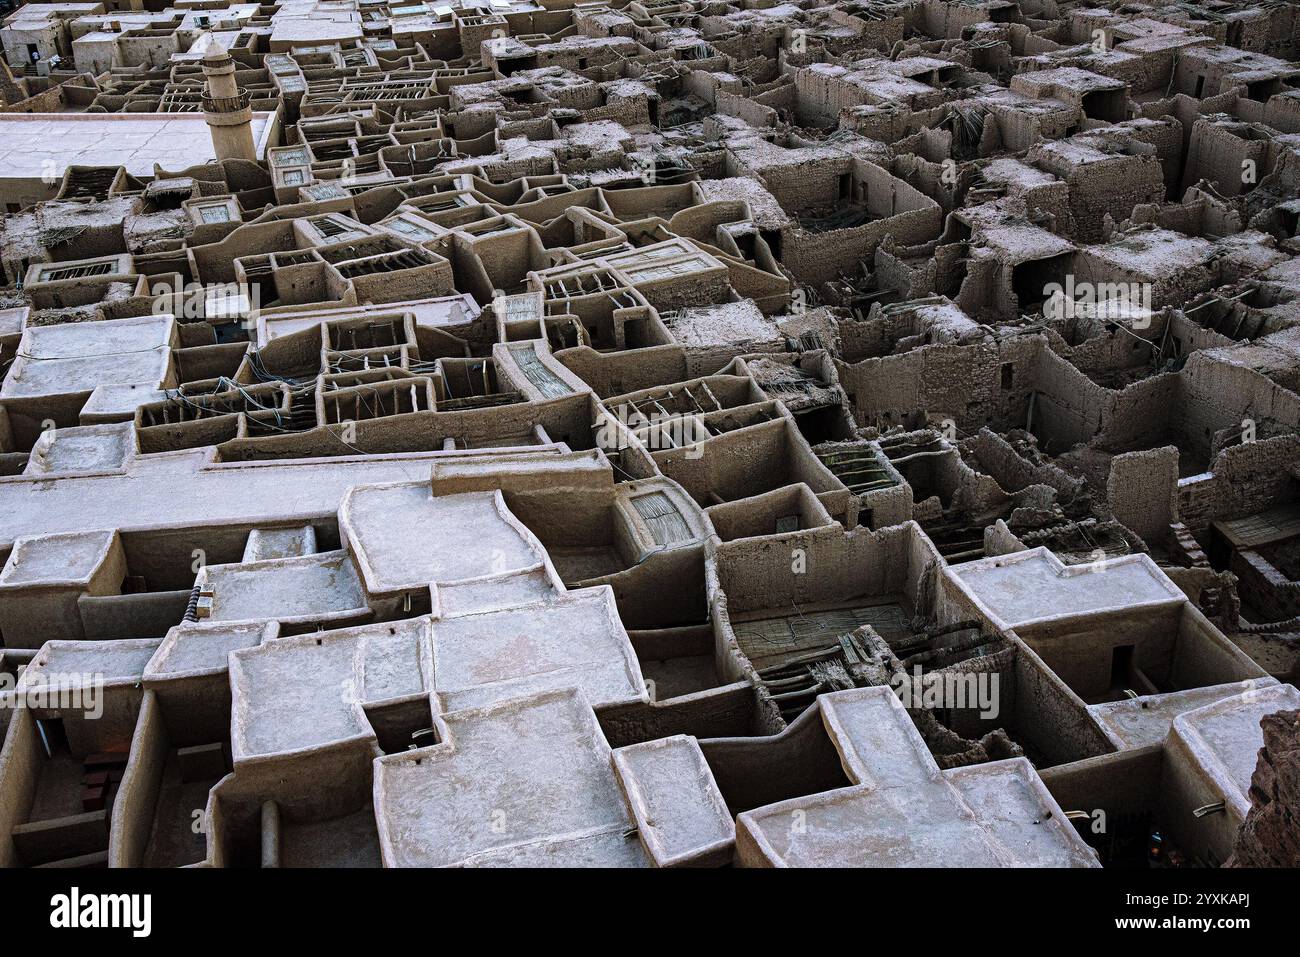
(226, 104)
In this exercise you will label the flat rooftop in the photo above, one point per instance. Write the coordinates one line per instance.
(36, 145)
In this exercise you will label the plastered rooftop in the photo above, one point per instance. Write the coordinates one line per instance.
(36, 145)
(602, 434)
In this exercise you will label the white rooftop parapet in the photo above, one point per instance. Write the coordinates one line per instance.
(902, 810)
(1036, 586)
(532, 782)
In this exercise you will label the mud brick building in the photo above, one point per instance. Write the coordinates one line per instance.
(598, 432)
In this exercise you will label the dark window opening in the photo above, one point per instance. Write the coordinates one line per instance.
(1110, 106)
(1121, 665)
(1029, 280)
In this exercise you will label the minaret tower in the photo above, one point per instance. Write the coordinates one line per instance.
(226, 108)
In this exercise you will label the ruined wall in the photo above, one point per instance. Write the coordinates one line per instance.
(755, 114)
(822, 92)
(966, 383)
(1111, 187)
(1142, 491)
(1069, 406)
(1220, 151)
(1139, 414)
(1270, 836)
(1246, 479)
(1265, 587)
(1013, 473)
(1220, 393)
(821, 257)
